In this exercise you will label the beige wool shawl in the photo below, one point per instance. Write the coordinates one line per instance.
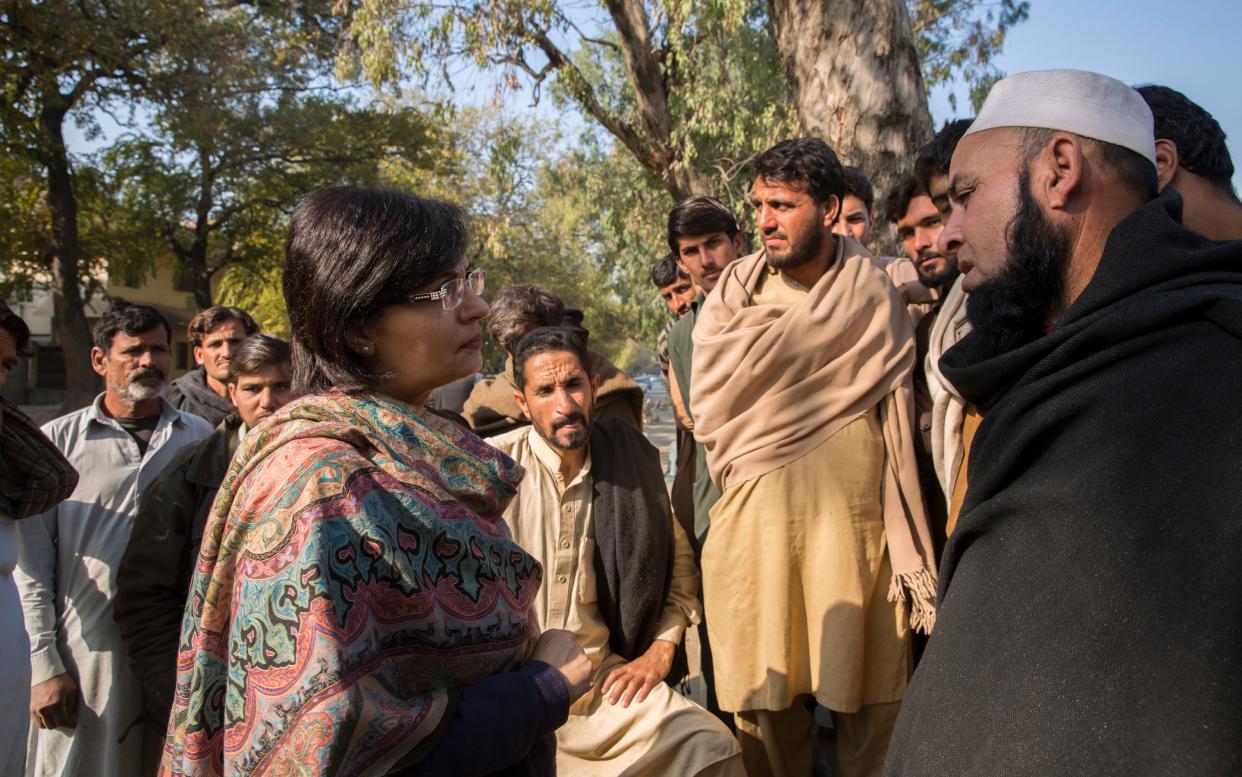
(773, 382)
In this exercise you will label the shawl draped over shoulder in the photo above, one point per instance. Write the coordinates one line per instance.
(355, 571)
(773, 382)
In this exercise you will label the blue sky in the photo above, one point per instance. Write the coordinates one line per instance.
(1191, 45)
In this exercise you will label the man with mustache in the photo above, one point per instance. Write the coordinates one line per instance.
(214, 334)
(1086, 622)
(84, 700)
(802, 398)
(155, 571)
(618, 571)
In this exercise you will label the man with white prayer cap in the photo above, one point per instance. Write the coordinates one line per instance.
(1088, 621)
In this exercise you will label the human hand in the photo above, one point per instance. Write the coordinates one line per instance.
(54, 702)
(558, 648)
(634, 681)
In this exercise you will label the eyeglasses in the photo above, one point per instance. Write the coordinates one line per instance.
(453, 292)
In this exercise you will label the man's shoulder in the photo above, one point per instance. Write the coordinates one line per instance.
(511, 441)
(63, 429)
(195, 425)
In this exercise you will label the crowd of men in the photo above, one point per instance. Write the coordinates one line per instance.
(1010, 438)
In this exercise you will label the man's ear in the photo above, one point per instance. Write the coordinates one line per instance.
(198, 355)
(1057, 171)
(232, 387)
(98, 358)
(832, 211)
(739, 243)
(1167, 161)
(520, 399)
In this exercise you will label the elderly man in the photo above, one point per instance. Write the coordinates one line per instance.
(1087, 623)
(155, 571)
(214, 334)
(802, 397)
(34, 478)
(516, 311)
(84, 700)
(618, 571)
(1191, 156)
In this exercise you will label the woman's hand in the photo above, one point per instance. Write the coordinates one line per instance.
(558, 648)
(633, 681)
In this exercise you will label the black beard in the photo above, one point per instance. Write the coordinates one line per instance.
(577, 440)
(802, 248)
(1012, 309)
(943, 279)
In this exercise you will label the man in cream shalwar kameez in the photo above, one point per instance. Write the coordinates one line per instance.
(802, 395)
(553, 518)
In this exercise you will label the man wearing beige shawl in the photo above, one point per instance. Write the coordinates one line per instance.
(819, 557)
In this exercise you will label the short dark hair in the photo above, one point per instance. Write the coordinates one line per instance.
(1198, 136)
(1132, 170)
(806, 161)
(546, 340)
(898, 200)
(666, 271)
(258, 353)
(351, 252)
(858, 184)
(517, 310)
(212, 317)
(934, 158)
(14, 325)
(132, 318)
(699, 214)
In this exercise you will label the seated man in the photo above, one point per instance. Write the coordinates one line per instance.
(155, 571)
(516, 310)
(618, 571)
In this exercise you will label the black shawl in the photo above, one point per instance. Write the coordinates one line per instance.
(633, 534)
(1090, 621)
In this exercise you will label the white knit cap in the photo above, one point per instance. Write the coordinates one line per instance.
(1077, 101)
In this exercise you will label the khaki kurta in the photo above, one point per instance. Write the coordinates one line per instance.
(66, 574)
(796, 575)
(666, 734)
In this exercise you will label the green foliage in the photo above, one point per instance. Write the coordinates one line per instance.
(960, 38)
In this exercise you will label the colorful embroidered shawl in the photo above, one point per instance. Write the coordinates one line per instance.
(355, 569)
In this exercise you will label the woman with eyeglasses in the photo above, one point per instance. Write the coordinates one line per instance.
(359, 607)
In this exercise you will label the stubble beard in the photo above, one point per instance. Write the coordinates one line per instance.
(803, 247)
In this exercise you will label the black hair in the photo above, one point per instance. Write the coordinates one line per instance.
(898, 200)
(666, 272)
(857, 184)
(933, 159)
(517, 310)
(14, 325)
(804, 161)
(258, 353)
(1199, 138)
(212, 317)
(546, 340)
(699, 214)
(1132, 170)
(351, 252)
(132, 318)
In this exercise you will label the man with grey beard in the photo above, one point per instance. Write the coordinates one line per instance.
(83, 698)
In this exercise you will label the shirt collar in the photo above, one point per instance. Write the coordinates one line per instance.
(168, 414)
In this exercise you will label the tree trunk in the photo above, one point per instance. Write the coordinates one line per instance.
(855, 73)
(69, 308)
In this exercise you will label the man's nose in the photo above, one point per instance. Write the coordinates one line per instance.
(951, 237)
(764, 218)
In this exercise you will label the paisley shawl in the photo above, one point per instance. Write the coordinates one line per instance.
(355, 570)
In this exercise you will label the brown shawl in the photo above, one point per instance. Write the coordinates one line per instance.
(773, 382)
